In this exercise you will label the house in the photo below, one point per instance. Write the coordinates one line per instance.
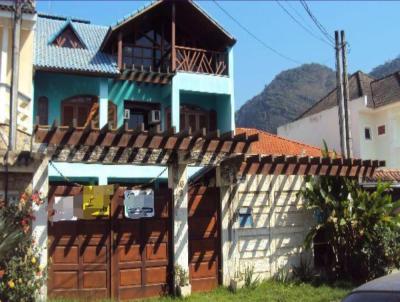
(374, 109)
(16, 164)
(146, 107)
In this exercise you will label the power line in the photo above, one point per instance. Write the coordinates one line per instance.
(316, 22)
(255, 37)
(302, 26)
(288, 2)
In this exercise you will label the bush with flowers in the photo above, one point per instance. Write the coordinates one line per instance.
(22, 274)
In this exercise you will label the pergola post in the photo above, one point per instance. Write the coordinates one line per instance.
(225, 178)
(40, 184)
(178, 182)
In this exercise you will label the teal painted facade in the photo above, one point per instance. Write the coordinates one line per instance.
(59, 86)
(204, 90)
(120, 91)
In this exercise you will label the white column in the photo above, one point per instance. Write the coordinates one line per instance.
(103, 180)
(178, 181)
(103, 102)
(229, 252)
(3, 74)
(175, 103)
(40, 184)
(231, 87)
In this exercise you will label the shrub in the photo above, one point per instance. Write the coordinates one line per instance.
(361, 227)
(23, 276)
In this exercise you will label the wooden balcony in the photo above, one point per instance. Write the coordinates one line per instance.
(201, 60)
(156, 65)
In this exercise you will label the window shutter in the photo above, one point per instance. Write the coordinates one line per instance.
(67, 115)
(168, 123)
(43, 110)
(213, 120)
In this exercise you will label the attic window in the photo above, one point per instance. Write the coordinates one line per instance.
(68, 38)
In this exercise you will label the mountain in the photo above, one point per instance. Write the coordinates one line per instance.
(387, 68)
(288, 95)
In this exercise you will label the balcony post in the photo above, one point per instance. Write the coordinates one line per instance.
(119, 51)
(173, 38)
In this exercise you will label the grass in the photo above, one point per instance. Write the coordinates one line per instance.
(269, 291)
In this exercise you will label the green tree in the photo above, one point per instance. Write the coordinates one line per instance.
(360, 226)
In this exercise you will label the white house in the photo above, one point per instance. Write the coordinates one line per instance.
(374, 119)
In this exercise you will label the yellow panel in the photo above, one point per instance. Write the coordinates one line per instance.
(96, 201)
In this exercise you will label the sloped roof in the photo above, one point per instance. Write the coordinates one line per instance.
(88, 60)
(154, 4)
(272, 144)
(386, 90)
(385, 174)
(359, 85)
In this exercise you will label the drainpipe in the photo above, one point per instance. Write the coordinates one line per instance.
(12, 142)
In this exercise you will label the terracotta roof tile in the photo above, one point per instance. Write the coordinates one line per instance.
(272, 144)
(390, 175)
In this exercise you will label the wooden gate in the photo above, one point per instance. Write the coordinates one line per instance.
(79, 252)
(141, 250)
(111, 257)
(204, 238)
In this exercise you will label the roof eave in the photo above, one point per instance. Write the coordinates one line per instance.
(156, 3)
(76, 71)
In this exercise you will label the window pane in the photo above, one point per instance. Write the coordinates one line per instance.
(83, 113)
(367, 133)
(182, 118)
(192, 121)
(136, 119)
(202, 121)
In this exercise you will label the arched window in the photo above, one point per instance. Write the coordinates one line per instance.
(82, 110)
(79, 111)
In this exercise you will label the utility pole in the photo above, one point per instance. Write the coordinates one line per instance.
(339, 95)
(346, 100)
(12, 139)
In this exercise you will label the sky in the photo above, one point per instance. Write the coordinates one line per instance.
(372, 29)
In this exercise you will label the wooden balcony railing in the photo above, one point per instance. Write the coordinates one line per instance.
(154, 59)
(201, 60)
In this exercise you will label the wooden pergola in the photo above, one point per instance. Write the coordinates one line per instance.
(202, 148)
(139, 146)
(302, 165)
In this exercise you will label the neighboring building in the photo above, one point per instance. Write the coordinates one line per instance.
(25, 85)
(374, 119)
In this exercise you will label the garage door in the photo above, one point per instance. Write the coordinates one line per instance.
(204, 238)
(110, 257)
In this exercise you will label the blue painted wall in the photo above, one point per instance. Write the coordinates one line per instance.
(58, 87)
(119, 91)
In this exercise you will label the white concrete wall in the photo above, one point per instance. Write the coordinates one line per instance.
(387, 146)
(281, 223)
(325, 126)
